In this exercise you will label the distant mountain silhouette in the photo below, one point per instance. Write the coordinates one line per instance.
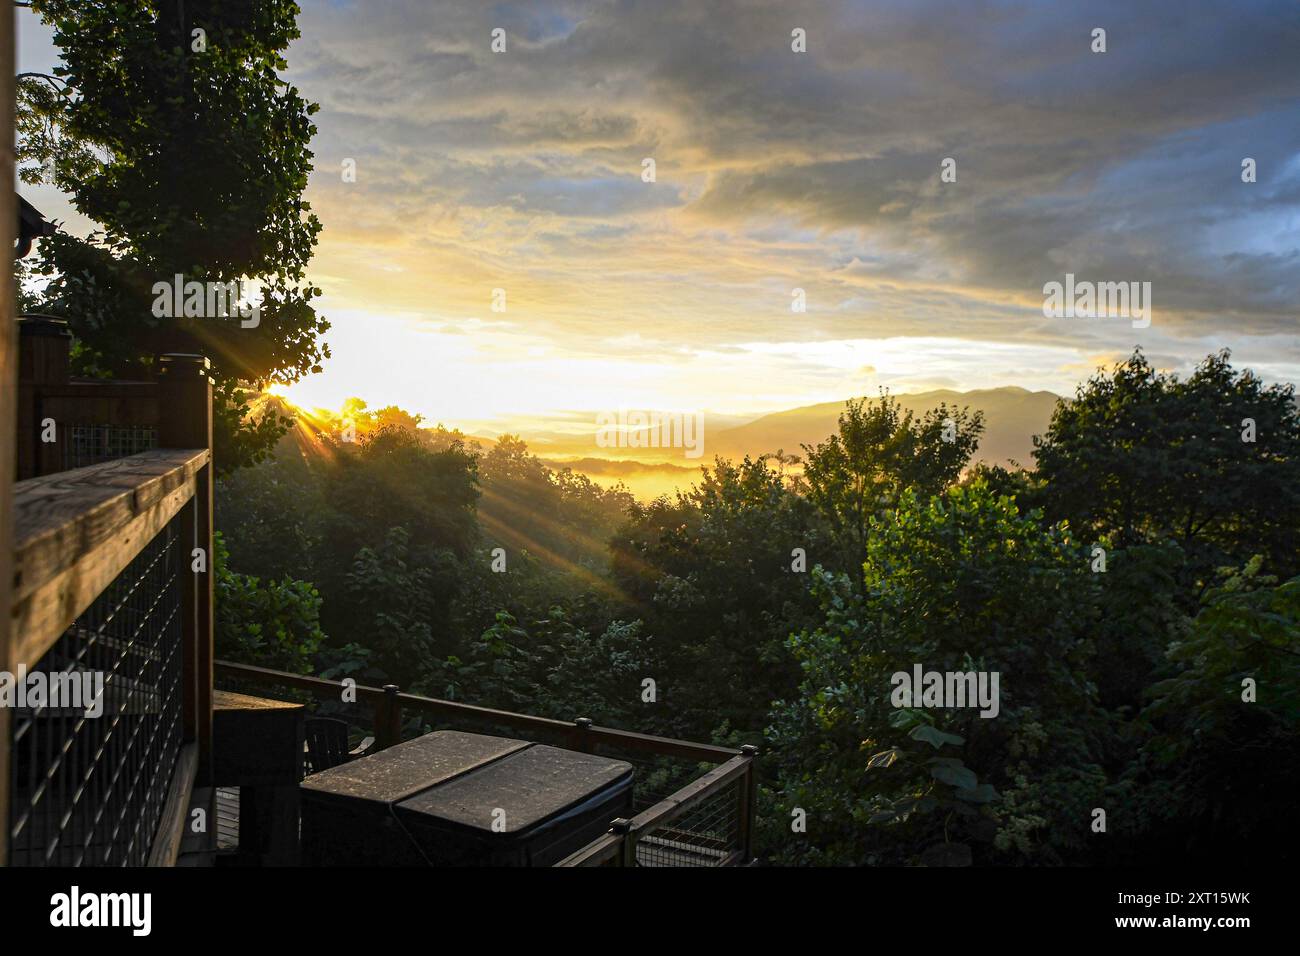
(1012, 416)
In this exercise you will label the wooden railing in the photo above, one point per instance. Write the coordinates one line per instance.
(76, 531)
(707, 821)
(387, 703)
(112, 575)
(662, 835)
(65, 422)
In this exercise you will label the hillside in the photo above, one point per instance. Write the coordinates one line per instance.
(1012, 416)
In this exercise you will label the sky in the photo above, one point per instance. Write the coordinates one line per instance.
(778, 170)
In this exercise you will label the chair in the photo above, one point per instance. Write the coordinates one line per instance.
(325, 744)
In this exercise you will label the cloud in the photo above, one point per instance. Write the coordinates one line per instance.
(818, 171)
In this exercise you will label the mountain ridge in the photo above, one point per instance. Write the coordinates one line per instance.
(1012, 416)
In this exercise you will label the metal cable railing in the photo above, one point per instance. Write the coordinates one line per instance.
(90, 789)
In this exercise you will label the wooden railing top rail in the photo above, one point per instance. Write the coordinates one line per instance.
(598, 852)
(320, 686)
(593, 734)
(695, 792)
(74, 532)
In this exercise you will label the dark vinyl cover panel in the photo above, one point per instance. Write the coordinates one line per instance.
(407, 768)
(531, 786)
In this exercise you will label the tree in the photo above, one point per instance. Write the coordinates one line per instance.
(268, 623)
(715, 577)
(562, 518)
(392, 480)
(551, 667)
(1221, 747)
(880, 451)
(394, 599)
(272, 513)
(191, 154)
(954, 583)
(1142, 457)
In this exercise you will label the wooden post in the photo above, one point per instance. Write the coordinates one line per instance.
(185, 421)
(580, 736)
(627, 848)
(8, 370)
(388, 718)
(44, 348)
(748, 786)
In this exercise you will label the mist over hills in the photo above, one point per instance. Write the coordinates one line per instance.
(1012, 416)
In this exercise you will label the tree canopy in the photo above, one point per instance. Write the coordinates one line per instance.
(169, 126)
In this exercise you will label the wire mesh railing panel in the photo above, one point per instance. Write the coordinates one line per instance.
(705, 835)
(91, 765)
(92, 444)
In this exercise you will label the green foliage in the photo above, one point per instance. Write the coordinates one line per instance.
(1119, 689)
(960, 583)
(272, 515)
(1140, 615)
(191, 163)
(1217, 771)
(351, 660)
(711, 575)
(392, 480)
(560, 517)
(393, 600)
(1018, 483)
(1144, 457)
(880, 451)
(553, 668)
(268, 623)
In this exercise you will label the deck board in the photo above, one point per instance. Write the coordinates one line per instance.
(227, 818)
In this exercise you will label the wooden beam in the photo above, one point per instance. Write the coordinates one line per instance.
(166, 846)
(319, 686)
(185, 421)
(598, 852)
(77, 530)
(8, 394)
(107, 404)
(665, 746)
